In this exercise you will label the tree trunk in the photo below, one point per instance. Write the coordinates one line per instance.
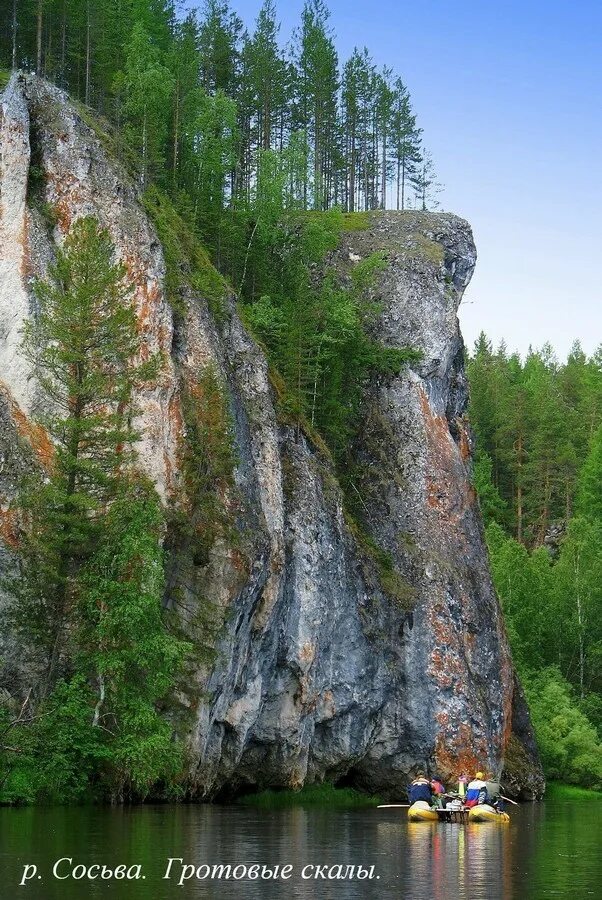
(144, 149)
(351, 199)
(519, 489)
(40, 23)
(403, 180)
(383, 204)
(87, 91)
(14, 52)
(580, 625)
(176, 128)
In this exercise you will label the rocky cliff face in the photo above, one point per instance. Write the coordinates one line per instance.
(326, 666)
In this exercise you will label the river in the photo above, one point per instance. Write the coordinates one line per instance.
(551, 849)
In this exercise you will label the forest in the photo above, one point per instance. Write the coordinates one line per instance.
(263, 154)
(538, 473)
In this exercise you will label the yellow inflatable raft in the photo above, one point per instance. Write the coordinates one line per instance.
(422, 812)
(486, 813)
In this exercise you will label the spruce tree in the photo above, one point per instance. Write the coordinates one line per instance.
(84, 344)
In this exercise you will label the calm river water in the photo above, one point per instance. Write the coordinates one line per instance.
(551, 849)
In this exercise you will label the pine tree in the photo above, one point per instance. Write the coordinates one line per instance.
(184, 64)
(316, 89)
(424, 182)
(405, 141)
(219, 48)
(267, 78)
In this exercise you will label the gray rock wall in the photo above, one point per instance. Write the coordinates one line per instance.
(322, 669)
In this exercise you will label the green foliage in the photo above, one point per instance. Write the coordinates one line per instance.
(196, 99)
(312, 795)
(147, 86)
(538, 463)
(84, 344)
(569, 745)
(536, 420)
(556, 790)
(57, 752)
(208, 463)
(88, 599)
(590, 480)
(493, 508)
(187, 262)
(318, 339)
(123, 647)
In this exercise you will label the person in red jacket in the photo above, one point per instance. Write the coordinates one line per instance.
(438, 789)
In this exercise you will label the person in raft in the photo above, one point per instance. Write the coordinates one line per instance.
(462, 782)
(476, 792)
(438, 790)
(420, 789)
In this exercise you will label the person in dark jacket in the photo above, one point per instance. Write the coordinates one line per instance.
(420, 789)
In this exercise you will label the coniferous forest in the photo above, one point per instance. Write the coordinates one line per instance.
(262, 153)
(538, 473)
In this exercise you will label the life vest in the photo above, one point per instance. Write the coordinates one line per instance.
(476, 793)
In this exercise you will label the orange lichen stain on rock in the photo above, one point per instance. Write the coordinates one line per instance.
(240, 563)
(9, 527)
(507, 677)
(307, 653)
(456, 756)
(68, 198)
(35, 435)
(464, 442)
(448, 493)
(445, 666)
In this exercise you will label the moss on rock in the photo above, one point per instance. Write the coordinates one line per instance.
(187, 262)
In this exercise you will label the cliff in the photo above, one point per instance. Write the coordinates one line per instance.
(341, 652)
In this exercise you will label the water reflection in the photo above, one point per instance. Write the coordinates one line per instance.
(547, 851)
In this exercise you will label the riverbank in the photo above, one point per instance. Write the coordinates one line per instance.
(557, 790)
(311, 795)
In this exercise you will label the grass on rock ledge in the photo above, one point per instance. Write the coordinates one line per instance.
(312, 795)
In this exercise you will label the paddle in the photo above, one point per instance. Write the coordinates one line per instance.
(393, 806)
(513, 802)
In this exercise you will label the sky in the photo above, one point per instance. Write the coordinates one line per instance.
(509, 95)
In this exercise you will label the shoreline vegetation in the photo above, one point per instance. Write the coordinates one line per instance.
(558, 790)
(324, 794)
(328, 795)
(317, 795)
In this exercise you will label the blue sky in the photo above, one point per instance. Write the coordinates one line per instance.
(509, 97)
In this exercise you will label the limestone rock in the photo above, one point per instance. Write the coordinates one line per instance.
(324, 669)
